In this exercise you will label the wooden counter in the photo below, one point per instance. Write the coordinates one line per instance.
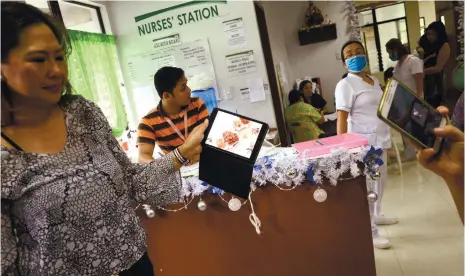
(300, 237)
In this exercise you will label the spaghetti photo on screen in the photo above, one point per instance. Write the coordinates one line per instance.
(234, 134)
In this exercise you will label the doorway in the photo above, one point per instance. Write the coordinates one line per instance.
(269, 64)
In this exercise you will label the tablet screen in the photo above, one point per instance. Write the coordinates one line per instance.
(234, 134)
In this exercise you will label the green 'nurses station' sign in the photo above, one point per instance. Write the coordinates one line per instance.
(153, 21)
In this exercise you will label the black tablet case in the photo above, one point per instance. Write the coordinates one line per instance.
(226, 171)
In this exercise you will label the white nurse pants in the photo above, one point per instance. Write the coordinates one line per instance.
(377, 187)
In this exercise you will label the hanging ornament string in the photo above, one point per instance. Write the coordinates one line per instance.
(288, 168)
(149, 212)
(253, 216)
(179, 209)
(234, 203)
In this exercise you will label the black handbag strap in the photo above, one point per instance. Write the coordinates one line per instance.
(13, 144)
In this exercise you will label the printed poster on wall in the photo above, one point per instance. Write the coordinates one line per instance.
(241, 63)
(194, 58)
(234, 32)
(143, 67)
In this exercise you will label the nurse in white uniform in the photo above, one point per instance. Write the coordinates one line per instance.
(357, 100)
(409, 71)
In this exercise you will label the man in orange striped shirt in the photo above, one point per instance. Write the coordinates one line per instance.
(177, 114)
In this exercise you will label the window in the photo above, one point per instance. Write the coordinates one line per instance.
(40, 4)
(422, 26)
(75, 15)
(443, 19)
(379, 25)
(81, 17)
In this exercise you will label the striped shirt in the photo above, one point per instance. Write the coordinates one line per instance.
(153, 128)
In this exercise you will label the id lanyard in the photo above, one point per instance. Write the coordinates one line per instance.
(168, 120)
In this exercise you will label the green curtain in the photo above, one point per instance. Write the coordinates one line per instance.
(93, 73)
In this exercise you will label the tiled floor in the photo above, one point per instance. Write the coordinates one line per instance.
(429, 238)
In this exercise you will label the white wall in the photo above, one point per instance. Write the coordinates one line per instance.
(316, 60)
(121, 15)
(278, 44)
(428, 11)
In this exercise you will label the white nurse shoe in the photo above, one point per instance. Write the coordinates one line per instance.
(381, 243)
(385, 220)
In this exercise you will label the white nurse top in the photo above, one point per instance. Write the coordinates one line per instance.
(361, 101)
(404, 72)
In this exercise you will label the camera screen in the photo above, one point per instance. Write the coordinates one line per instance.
(414, 117)
(234, 134)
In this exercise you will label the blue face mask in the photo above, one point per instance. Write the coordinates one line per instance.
(393, 58)
(356, 64)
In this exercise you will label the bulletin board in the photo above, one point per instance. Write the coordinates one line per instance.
(194, 58)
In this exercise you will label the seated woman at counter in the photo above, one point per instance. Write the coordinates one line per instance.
(310, 97)
(302, 119)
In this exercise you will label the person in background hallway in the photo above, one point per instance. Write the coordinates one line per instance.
(436, 54)
(67, 185)
(177, 114)
(458, 116)
(310, 97)
(408, 69)
(357, 100)
(302, 119)
(419, 52)
(448, 163)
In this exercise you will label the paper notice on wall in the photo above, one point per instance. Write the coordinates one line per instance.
(161, 61)
(229, 93)
(144, 100)
(256, 90)
(245, 93)
(234, 32)
(142, 68)
(241, 63)
(194, 56)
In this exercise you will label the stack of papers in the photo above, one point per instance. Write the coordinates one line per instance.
(188, 171)
(331, 117)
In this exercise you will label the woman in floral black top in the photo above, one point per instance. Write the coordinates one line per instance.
(67, 186)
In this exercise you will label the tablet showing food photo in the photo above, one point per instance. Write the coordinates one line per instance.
(234, 134)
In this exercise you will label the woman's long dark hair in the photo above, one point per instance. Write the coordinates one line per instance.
(301, 89)
(294, 97)
(303, 84)
(441, 37)
(16, 17)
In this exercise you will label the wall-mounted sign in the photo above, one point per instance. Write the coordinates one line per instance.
(241, 63)
(235, 34)
(245, 93)
(167, 41)
(189, 12)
